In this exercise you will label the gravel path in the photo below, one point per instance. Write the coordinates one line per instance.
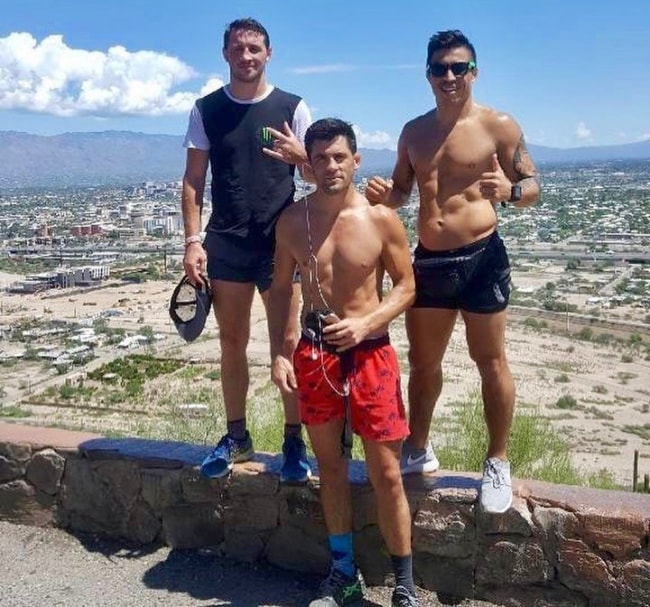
(51, 567)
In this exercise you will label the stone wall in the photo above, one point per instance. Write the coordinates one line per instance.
(557, 546)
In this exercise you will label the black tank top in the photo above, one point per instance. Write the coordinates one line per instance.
(249, 189)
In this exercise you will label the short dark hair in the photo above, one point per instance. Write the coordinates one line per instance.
(449, 39)
(247, 23)
(327, 129)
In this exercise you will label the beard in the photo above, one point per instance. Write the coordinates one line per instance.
(333, 187)
(245, 75)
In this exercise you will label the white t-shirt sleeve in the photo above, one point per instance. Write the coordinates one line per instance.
(195, 136)
(301, 121)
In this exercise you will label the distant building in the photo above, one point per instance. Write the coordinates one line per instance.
(41, 231)
(62, 278)
(81, 230)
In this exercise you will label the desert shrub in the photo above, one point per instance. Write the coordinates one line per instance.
(635, 339)
(604, 338)
(14, 411)
(586, 333)
(566, 401)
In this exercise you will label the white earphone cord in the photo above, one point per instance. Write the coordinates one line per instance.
(313, 280)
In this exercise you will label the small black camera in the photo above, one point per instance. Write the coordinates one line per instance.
(315, 321)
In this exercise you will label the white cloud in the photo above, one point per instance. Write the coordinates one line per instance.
(377, 140)
(210, 86)
(582, 132)
(52, 78)
(645, 137)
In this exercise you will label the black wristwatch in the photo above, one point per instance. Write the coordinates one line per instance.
(515, 194)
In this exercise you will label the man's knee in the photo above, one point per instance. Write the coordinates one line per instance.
(389, 490)
(234, 335)
(386, 479)
(492, 366)
(332, 468)
(425, 370)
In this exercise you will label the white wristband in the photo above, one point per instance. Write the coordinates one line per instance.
(192, 239)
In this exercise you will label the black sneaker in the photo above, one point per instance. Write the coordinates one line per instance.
(227, 452)
(339, 590)
(403, 598)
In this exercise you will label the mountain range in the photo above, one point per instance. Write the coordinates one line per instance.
(125, 157)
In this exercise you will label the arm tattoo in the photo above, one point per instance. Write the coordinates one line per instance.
(523, 164)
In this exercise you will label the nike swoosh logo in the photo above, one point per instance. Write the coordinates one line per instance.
(410, 460)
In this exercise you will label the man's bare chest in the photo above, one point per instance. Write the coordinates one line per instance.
(461, 150)
(342, 249)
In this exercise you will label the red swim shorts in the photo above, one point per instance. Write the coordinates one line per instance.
(376, 405)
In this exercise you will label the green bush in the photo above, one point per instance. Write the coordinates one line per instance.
(586, 334)
(604, 338)
(533, 323)
(636, 339)
(566, 401)
(14, 411)
(66, 391)
(135, 366)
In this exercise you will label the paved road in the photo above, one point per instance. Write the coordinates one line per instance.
(52, 568)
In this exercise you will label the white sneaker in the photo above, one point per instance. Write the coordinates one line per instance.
(418, 460)
(496, 486)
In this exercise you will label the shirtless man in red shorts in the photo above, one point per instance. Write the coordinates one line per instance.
(344, 370)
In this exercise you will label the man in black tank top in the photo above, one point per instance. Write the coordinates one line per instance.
(250, 133)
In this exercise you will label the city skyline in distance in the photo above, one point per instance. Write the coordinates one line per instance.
(569, 80)
(105, 157)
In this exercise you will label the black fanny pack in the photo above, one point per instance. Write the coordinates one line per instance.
(447, 276)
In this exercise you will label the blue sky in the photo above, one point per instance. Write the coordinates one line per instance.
(571, 73)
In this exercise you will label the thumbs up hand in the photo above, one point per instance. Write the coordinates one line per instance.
(494, 184)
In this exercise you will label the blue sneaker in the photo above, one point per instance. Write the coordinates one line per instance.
(295, 468)
(227, 452)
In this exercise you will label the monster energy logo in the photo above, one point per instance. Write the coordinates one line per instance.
(266, 138)
(350, 590)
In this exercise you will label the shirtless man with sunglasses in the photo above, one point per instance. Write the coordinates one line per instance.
(466, 160)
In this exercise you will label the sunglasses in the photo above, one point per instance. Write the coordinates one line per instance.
(460, 68)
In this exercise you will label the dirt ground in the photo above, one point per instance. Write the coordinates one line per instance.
(611, 384)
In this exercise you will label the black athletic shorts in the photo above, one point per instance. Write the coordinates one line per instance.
(238, 260)
(475, 278)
